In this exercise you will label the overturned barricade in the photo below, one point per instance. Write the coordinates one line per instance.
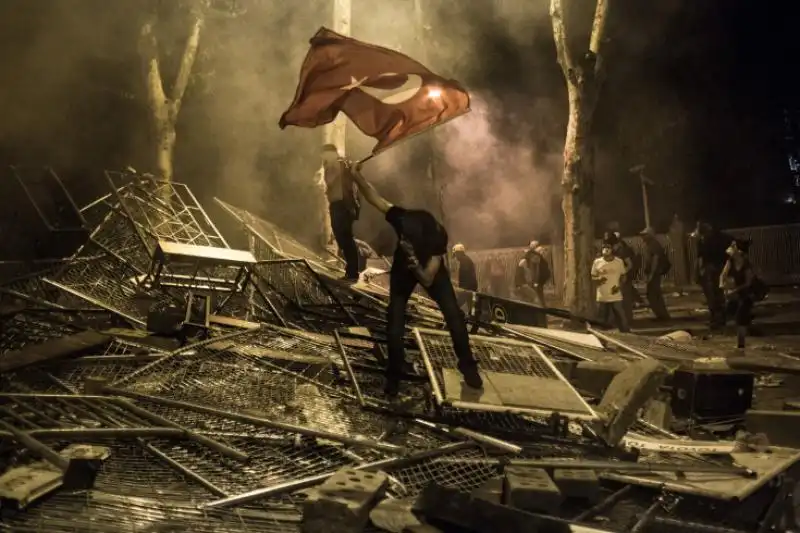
(158, 379)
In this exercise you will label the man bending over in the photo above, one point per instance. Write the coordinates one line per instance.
(418, 258)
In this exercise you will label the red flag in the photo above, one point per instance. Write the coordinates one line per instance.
(386, 94)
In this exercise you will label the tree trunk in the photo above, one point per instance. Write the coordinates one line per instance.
(164, 110)
(583, 77)
(577, 203)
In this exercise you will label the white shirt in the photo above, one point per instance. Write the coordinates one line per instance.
(612, 271)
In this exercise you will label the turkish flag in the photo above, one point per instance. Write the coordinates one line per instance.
(386, 94)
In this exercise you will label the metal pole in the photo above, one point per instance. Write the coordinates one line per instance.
(645, 200)
(37, 447)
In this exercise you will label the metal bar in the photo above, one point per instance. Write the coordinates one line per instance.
(217, 446)
(554, 369)
(437, 391)
(646, 517)
(543, 341)
(607, 503)
(272, 308)
(609, 466)
(298, 484)
(472, 406)
(205, 215)
(91, 300)
(194, 476)
(333, 295)
(348, 368)
(36, 411)
(37, 447)
(69, 197)
(619, 344)
(479, 438)
(98, 433)
(281, 426)
(18, 418)
(117, 194)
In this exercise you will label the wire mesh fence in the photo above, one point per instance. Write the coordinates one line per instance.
(164, 210)
(279, 245)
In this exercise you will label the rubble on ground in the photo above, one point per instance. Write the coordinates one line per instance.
(159, 379)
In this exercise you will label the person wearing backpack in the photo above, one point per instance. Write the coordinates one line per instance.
(742, 288)
(656, 266)
(531, 275)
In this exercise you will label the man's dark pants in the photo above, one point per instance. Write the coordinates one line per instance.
(629, 297)
(342, 219)
(715, 297)
(608, 310)
(402, 283)
(655, 298)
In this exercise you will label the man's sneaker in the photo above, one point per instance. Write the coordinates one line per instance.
(471, 376)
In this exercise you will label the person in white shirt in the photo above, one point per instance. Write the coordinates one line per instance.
(608, 271)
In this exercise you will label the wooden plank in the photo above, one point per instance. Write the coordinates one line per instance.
(52, 350)
(177, 252)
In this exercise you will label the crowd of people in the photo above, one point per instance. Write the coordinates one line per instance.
(728, 280)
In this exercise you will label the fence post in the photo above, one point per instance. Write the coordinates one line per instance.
(680, 263)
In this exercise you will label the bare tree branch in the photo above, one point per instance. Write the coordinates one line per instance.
(148, 48)
(560, 36)
(187, 62)
(598, 38)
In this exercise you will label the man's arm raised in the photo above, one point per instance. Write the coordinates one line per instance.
(371, 195)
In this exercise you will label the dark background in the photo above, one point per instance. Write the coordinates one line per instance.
(703, 93)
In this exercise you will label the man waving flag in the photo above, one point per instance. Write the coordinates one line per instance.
(386, 94)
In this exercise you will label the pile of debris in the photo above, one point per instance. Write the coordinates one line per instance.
(159, 380)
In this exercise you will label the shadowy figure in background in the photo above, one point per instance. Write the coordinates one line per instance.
(712, 255)
(467, 278)
(743, 288)
(419, 258)
(608, 271)
(656, 266)
(531, 275)
(498, 285)
(343, 207)
(630, 296)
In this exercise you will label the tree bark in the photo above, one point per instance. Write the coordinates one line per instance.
(164, 110)
(583, 78)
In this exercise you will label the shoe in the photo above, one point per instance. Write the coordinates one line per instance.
(471, 376)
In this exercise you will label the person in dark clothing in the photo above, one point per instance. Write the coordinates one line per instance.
(343, 207)
(531, 275)
(739, 279)
(711, 258)
(630, 295)
(419, 258)
(467, 278)
(656, 265)
(498, 286)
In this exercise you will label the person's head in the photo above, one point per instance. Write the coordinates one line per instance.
(532, 251)
(703, 229)
(648, 233)
(738, 248)
(459, 251)
(329, 153)
(611, 239)
(607, 250)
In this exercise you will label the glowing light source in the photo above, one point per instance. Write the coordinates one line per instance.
(434, 93)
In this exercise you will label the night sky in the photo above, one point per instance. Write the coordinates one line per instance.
(696, 90)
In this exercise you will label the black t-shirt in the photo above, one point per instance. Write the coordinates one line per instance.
(421, 229)
(711, 248)
(467, 275)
